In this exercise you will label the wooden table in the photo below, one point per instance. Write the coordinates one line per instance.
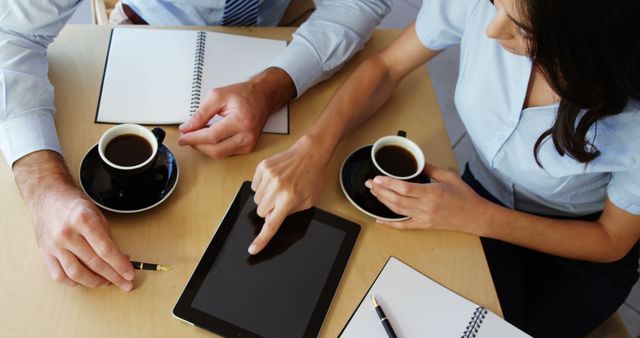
(177, 232)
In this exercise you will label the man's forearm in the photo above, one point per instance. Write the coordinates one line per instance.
(335, 31)
(275, 86)
(39, 172)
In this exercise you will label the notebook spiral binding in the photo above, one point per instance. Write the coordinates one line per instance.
(474, 324)
(198, 64)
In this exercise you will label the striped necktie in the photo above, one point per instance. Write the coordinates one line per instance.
(240, 13)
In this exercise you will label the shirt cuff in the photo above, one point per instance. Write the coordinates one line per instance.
(26, 133)
(302, 65)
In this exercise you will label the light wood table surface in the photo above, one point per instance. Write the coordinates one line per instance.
(177, 232)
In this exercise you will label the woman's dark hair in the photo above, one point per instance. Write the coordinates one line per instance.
(589, 52)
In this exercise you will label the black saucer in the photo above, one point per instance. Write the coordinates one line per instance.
(356, 169)
(126, 194)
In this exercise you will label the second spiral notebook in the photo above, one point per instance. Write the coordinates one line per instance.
(161, 76)
(417, 306)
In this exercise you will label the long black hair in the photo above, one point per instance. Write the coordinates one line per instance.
(589, 52)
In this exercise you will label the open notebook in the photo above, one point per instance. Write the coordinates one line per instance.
(416, 306)
(160, 76)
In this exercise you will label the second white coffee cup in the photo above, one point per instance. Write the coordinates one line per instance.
(400, 157)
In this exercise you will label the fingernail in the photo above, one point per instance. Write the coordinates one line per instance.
(184, 126)
(128, 275)
(368, 184)
(127, 286)
(379, 221)
(253, 249)
(377, 180)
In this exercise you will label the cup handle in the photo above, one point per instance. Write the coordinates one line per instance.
(402, 133)
(159, 134)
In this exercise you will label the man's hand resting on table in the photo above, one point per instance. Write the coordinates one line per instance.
(245, 107)
(72, 233)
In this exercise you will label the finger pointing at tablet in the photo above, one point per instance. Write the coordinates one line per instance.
(271, 225)
(286, 183)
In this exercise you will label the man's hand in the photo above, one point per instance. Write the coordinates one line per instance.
(245, 107)
(72, 234)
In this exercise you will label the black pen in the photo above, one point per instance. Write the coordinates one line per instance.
(383, 319)
(150, 266)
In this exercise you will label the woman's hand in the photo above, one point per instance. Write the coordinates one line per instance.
(287, 183)
(448, 204)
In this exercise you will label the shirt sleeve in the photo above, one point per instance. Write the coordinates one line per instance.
(441, 23)
(624, 189)
(335, 31)
(26, 95)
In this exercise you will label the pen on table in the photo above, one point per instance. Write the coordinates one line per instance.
(383, 319)
(150, 266)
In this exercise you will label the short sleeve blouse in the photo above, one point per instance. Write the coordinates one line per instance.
(490, 93)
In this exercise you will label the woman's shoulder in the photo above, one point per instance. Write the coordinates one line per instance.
(445, 16)
(627, 120)
(633, 105)
(617, 137)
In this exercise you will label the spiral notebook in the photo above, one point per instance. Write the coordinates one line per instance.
(161, 76)
(416, 306)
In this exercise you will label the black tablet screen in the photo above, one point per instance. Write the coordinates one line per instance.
(274, 293)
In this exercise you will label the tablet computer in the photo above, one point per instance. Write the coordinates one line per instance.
(283, 291)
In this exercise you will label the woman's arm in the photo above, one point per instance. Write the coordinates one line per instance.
(606, 240)
(450, 204)
(369, 87)
(290, 181)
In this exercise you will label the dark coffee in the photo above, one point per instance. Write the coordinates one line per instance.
(128, 150)
(396, 161)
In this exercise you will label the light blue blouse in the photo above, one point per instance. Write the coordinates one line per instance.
(490, 93)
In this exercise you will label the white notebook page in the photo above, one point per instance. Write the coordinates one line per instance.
(416, 306)
(149, 74)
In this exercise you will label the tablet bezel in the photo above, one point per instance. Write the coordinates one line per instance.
(184, 311)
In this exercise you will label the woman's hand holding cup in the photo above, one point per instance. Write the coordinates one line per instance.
(448, 204)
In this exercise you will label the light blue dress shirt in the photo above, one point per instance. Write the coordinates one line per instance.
(490, 94)
(336, 30)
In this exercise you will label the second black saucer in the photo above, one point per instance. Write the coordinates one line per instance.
(126, 194)
(356, 169)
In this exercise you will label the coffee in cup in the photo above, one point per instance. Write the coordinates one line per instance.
(397, 157)
(130, 149)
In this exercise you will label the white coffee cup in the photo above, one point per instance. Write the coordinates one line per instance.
(406, 144)
(153, 137)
